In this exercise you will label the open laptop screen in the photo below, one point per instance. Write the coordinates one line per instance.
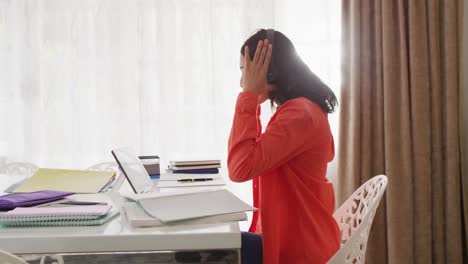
(133, 169)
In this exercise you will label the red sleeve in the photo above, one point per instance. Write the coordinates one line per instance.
(251, 155)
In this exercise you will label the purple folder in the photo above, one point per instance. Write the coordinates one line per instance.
(13, 200)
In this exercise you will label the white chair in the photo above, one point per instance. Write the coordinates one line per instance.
(20, 169)
(109, 166)
(113, 191)
(355, 218)
(15, 174)
(105, 166)
(7, 258)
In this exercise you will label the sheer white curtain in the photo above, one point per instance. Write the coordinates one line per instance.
(314, 27)
(78, 78)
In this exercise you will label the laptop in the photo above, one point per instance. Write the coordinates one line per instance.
(133, 169)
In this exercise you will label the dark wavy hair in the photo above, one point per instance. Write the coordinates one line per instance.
(293, 77)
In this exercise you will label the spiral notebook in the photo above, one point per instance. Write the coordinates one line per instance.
(57, 216)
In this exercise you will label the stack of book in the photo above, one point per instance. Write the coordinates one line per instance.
(195, 166)
(151, 164)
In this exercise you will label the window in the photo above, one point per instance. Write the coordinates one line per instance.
(80, 78)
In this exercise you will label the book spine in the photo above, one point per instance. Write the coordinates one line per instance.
(194, 167)
(202, 171)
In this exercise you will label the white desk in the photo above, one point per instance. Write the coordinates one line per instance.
(118, 236)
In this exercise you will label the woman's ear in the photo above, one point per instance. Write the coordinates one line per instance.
(270, 88)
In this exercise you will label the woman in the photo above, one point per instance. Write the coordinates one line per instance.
(287, 162)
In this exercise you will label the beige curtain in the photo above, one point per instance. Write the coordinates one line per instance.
(400, 117)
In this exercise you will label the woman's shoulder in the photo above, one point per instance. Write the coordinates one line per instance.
(302, 105)
(301, 113)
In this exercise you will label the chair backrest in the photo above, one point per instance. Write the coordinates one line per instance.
(7, 258)
(18, 173)
(107, 166)
(20, 169)
(113, 193)
(355, 217)
(104, 166)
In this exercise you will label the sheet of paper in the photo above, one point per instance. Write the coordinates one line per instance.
(172, 184)
(181, 176)
(170, 192)
(194, 188)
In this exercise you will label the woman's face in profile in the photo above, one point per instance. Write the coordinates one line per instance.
(241, 67)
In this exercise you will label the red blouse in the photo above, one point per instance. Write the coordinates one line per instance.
(294, 198)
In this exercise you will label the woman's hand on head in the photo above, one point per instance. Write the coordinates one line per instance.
(255, 71)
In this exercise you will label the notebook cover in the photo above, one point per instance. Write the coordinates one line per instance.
(13, 200)
(61, 222)
(193, 205)
(137, 217)
(62, 211)
(78, 181)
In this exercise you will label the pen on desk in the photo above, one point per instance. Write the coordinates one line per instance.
(195, 180)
